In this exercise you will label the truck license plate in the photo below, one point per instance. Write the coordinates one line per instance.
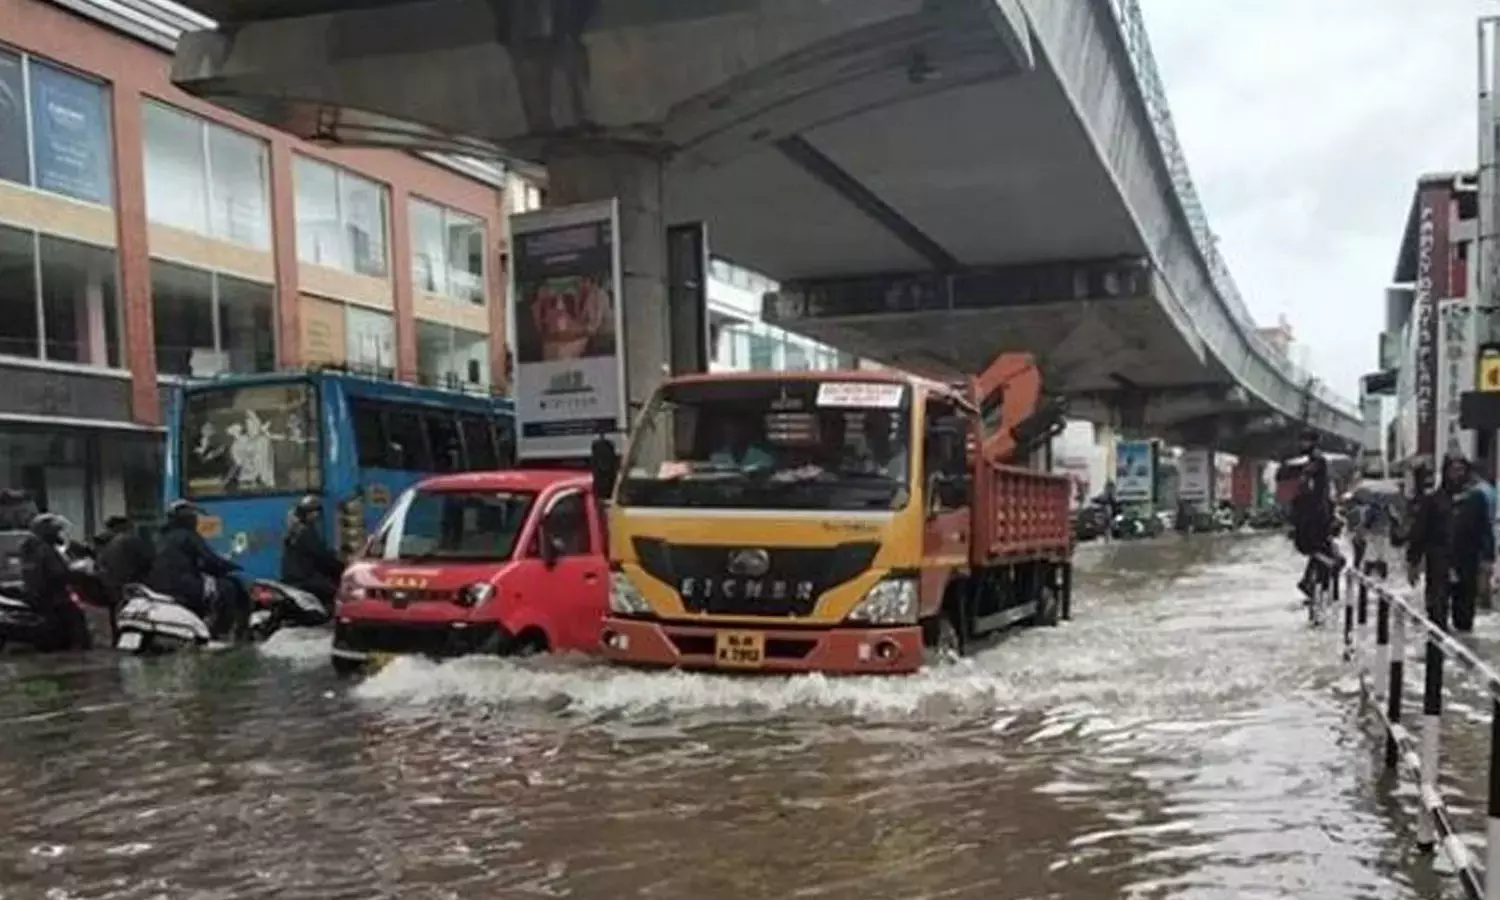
(740, 649)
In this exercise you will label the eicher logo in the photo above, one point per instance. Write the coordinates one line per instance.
(747, 581)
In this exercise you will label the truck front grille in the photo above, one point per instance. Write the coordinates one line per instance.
(794, 579)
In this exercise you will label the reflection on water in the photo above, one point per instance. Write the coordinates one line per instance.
(1185, 736)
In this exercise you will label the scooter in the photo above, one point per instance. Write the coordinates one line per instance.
(150, 622)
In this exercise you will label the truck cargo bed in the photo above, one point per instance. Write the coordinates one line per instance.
(1020, 512)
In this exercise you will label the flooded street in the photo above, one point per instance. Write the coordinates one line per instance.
(1186, 736)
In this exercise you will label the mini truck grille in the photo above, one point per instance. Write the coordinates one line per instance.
(796, 578)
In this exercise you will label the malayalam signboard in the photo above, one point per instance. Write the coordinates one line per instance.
(1135, 472)
(565, 296)
(1455, 375)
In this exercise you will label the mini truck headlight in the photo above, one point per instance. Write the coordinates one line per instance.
(625, 598)
(891, 602)
(476, 595)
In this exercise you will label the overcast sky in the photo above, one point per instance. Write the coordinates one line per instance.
(1306, 124)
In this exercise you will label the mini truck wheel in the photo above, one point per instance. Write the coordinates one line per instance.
(940, 639)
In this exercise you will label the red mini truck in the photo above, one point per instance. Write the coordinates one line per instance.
(495, 563)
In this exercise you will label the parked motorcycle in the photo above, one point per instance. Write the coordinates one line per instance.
(21, 624)
(151, 622)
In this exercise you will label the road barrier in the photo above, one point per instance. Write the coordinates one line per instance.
(1418, 756)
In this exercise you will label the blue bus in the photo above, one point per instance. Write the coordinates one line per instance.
(244, 448)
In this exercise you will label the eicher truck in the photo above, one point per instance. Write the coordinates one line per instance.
(854, 522)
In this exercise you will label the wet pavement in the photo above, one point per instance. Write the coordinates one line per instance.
(1186, 736)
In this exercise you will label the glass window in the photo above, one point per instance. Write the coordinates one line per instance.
(176, 169)
(259, 439)
(452, 357)
(567, 525)
(362, 207)
(80, 312)
(341, 219)
(447, 447)
(15, 148)
(447, 252)
(207, 324)
(239, 188)
(462, 525)
(319, 239)
(69, 135)
(20, 333)
(371, 340)
(428, 269)
(408, 441)
(369, 433)
(465, 243)
(479, 443)
(247, 325)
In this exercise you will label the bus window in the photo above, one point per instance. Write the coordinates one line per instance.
(369, 433)
(505, 443)
(442, 435)
(255, 439)
(407, 441)
(479, 443)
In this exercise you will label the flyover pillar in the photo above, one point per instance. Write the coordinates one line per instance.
(633, 175)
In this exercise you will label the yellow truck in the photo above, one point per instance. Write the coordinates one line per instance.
(855, 522)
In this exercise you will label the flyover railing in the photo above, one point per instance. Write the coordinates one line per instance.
(1399, 619)
(1143, 63)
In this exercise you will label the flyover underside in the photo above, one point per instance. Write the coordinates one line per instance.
(814, 139)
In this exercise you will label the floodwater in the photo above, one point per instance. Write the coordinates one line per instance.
(1186, 736)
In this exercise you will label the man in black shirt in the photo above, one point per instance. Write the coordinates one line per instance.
(1312, 513)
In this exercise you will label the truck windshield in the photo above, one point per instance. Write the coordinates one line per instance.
(249, 440)
(772, 444)
(456, 526)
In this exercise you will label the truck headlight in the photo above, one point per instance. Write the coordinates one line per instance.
(625, 598)
(476, 595)
(891, 602)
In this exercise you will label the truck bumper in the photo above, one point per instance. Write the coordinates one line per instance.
(850, 651)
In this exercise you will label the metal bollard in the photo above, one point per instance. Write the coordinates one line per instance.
(1394, 686)
(1382, 646)
(1348, 626)
(1427, 755)
(1492, 832)
(1364, 594)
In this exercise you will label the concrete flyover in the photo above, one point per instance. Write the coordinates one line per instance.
(934, 180)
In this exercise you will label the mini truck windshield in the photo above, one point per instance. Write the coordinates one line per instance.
(773, 443)
(457, 526)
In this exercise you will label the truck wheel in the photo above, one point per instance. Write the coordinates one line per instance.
(345, 667)
(940, 640)
(1048, 608)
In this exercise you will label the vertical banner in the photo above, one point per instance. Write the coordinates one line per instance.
(1455, 374)
(565, 296)
(1135, 472)
(687, 297)
(1433, 211)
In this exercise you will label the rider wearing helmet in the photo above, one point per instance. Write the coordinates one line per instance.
(185, 566)
(307, 562)
(45, 577)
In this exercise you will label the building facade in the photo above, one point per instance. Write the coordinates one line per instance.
(740, 341)
(147, 237)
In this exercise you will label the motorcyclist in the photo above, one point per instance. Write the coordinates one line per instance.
(1312, 514)
(124, 557)
(187, 569)
(307, 562)
(45, 578)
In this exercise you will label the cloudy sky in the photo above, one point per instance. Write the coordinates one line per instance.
(1306, 124)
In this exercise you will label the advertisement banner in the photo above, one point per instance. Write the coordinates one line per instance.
(1135, 472)
(1455, 374)
(565, 296)
(15, 163)
(70, 134)
(1433, 204)
(1195, 477)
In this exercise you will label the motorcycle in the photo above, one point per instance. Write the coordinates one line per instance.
(20, 622)
(151, 622)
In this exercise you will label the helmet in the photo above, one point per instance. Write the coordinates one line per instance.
(307, 507)
(50, 527)
(182, 514)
